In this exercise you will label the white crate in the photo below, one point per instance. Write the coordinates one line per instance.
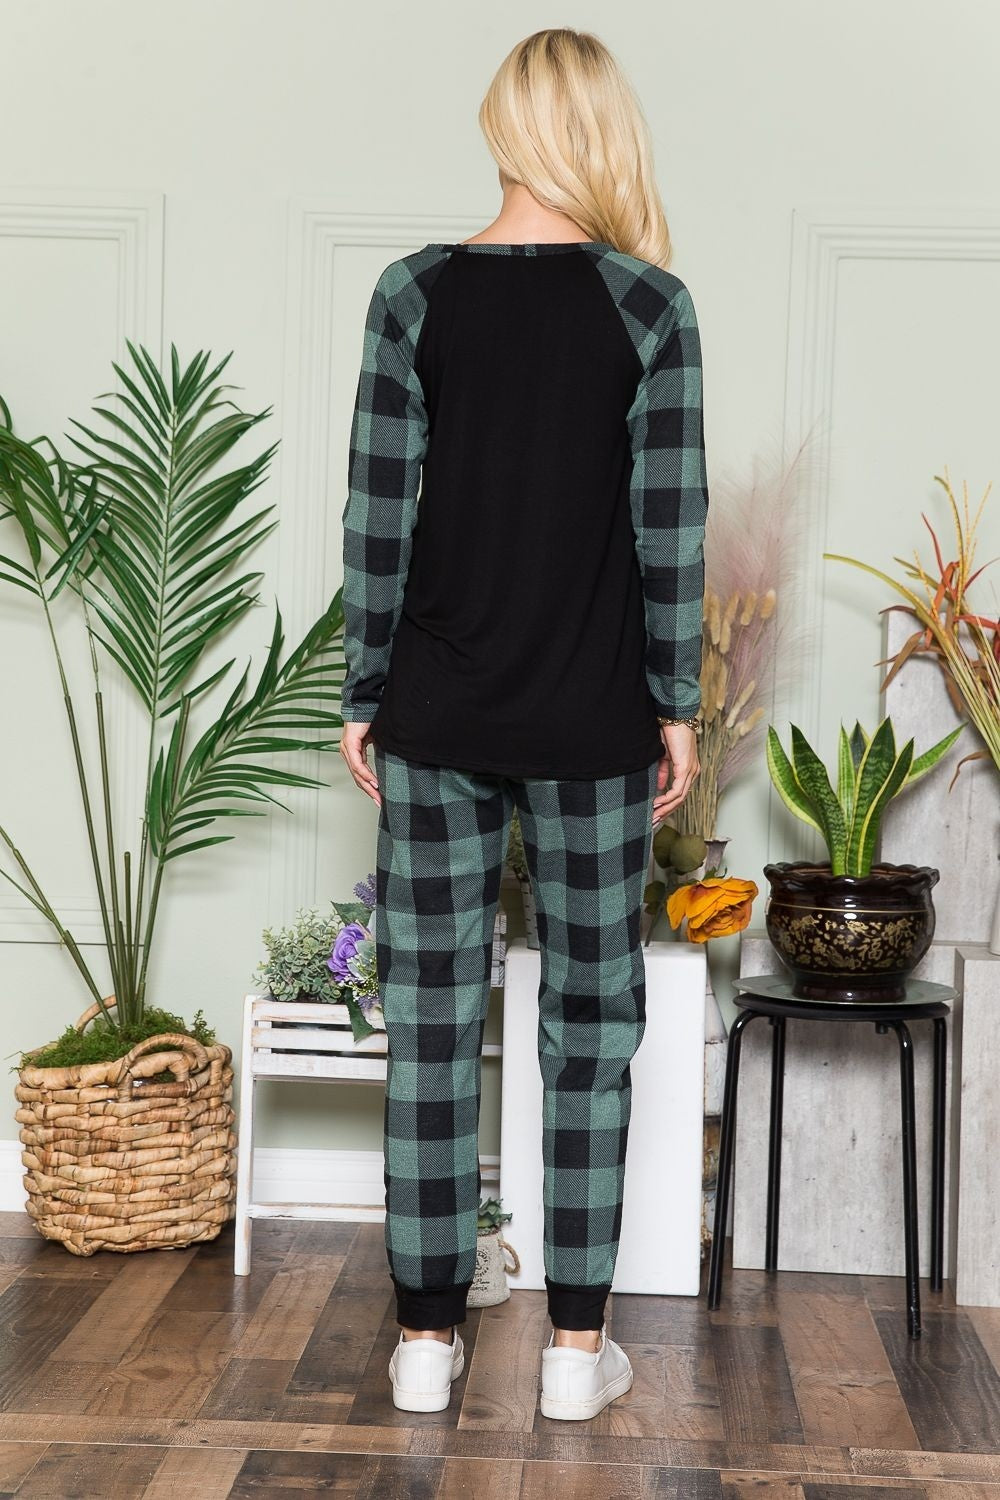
(291, 1040)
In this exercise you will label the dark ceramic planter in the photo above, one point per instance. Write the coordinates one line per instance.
(850, 937)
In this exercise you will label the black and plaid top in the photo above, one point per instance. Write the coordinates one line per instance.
(523, 532)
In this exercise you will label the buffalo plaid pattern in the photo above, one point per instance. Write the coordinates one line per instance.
(668, 486)
(389, 434)
(442, 841)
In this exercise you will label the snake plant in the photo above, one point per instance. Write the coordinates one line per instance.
(870, 772)
(148, 533)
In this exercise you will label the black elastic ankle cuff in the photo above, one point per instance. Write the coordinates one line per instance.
(576, 1307)
(430, 1307)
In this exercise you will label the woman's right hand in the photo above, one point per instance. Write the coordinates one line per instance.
(354, 742)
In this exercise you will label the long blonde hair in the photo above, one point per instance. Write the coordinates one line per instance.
(560, 117)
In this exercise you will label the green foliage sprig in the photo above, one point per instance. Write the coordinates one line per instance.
(490, 1215)
(296, 966)
(305, 964)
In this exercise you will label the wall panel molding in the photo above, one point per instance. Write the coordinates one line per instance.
(130, 224)
(823, 237)
(313, 484)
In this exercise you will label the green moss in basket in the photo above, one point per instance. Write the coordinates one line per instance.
(103, 1043)
(490, 1216)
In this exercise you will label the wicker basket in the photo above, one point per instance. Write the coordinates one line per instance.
(115, 1162)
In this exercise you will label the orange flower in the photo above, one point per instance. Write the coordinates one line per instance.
(713, 907)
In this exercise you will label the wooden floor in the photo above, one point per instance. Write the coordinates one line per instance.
(163, 1375)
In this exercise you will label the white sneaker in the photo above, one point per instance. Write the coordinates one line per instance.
(576, 1384)
(421, 1371)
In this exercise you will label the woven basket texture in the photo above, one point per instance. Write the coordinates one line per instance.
(115, 1161)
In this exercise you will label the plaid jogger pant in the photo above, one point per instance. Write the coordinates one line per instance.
(442, 840)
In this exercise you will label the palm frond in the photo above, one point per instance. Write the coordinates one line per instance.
(168, 554)
(229, 763)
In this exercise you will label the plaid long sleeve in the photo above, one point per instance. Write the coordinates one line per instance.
(669, 499)
(388, 441)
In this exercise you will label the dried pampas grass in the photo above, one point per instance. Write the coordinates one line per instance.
(752, 648)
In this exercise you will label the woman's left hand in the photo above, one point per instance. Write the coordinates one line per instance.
(679, 764)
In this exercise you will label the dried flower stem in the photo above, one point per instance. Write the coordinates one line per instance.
(949, 624)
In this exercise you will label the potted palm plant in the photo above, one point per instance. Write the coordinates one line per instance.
(850, 928)
(126, 1119)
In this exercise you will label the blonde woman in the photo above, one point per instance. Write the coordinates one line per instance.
(528, 636)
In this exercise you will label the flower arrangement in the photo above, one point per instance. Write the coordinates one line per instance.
(329, 959)
(714, 904)
(713, 907)
(734, 639)
(965, 642)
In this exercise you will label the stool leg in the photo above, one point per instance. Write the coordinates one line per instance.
(937, 1159)
(774, 1142)
(910, 1234)
(727, 1132)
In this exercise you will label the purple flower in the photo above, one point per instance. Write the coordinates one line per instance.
(365, 891)
(344, 950)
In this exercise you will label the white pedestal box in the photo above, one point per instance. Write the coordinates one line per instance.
(660, 1246)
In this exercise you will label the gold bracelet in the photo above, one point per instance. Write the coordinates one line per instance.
(693, 721)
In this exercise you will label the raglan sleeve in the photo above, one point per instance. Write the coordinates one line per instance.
(388, 442)
(669, 501)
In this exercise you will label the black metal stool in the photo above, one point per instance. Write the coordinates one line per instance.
(771, 995)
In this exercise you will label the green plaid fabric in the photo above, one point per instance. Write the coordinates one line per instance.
(442, 840)
(669, 492)
(669, 485)
(389, 435)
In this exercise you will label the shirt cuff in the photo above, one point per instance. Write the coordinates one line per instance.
(675, 711)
